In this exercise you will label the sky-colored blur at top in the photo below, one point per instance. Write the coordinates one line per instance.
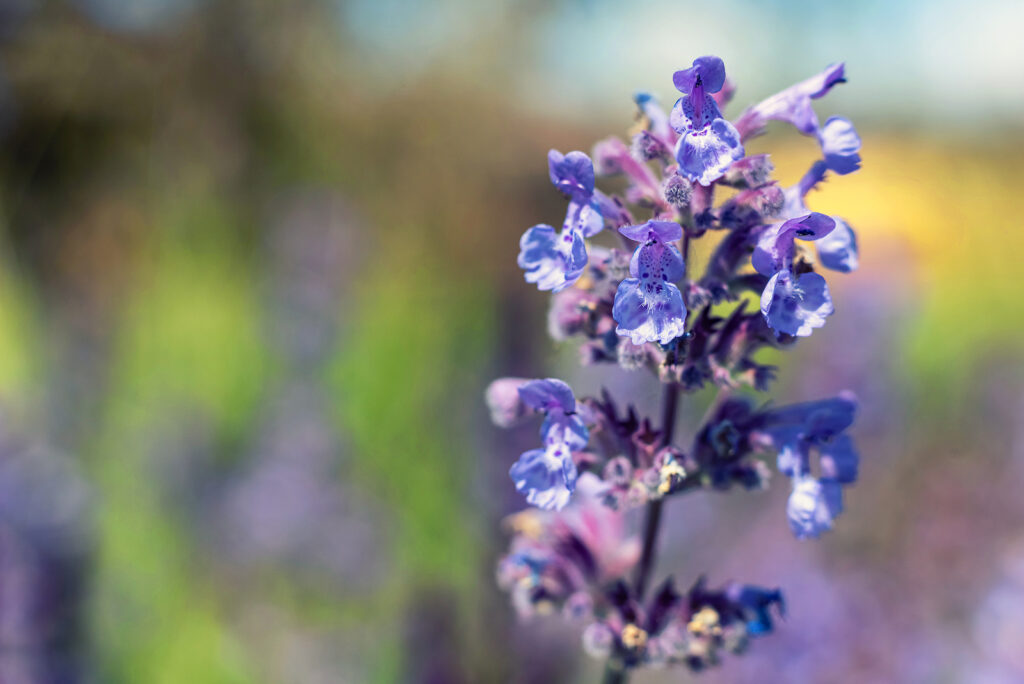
(257, 266)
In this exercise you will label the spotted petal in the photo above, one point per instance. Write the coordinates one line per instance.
(796, 305)
(704, 155)
(649, 311)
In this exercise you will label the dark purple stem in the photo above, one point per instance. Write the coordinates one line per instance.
(615, 672)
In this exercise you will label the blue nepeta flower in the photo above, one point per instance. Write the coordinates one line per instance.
(792, 304)
(707, 144)
(572, 174)
(796, 304)
(562, 422)
(554, 261)
(649, 307)
(756, 602)
(813, 506)
(796, 431)
(547, 477)
(838, 249)
(776, 247)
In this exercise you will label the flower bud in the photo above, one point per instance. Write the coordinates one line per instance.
(507, 408)
(749, 172)
(570, 310)
(678, 191)
(646, 147)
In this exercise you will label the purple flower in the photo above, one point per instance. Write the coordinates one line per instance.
(572, 174)
(546, 477)
(707, 144)
(552, 261)
(796, 304)
(792, 105)
(813, 506)
(557, 559)
(649, 307)
(798, 430)
(776, 248)
(562, 422)
(840, 145)
(506, 406)
(838, 249)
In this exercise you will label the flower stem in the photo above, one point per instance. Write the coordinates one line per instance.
(614, 671)
(652, 518)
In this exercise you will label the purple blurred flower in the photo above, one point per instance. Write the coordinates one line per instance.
(795, 431)
(552, 261)
(558, 559)
(547, 476)
(506, 406)
(840, 145)
(813, 506)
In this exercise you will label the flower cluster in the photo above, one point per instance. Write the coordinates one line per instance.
(690, 629)
(640, 303)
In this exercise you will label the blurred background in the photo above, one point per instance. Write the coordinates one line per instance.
(257, 265)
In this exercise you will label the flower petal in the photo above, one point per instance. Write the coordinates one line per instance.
(838, 249)
(662, 231)
(546, 477)
(572, 174)
(840, 144)
(705, 154)
(796, 305)
(548, 394)
(649, 311)
(552, 261)
(708, 72)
